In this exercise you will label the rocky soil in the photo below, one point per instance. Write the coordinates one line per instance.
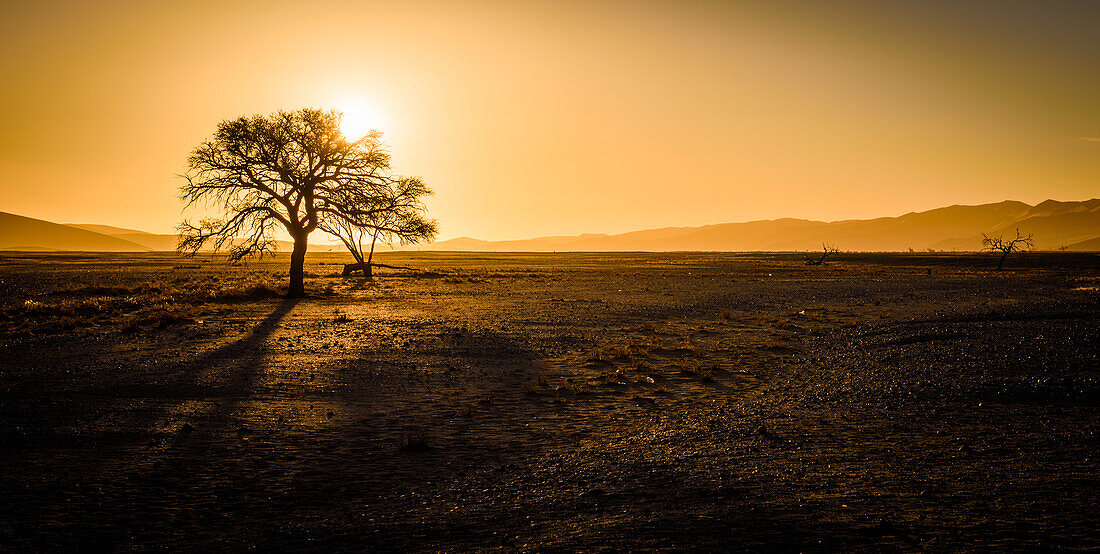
(551, 401)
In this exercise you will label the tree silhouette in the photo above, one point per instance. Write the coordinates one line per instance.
(402, 221)
(290, 171)
(826, 251)
(1004, 247)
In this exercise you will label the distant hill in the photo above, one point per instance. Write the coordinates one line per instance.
(168, 243)
(1091, 245)
(106, 229)
(35, 235)
(1055, 224)
(25, 233)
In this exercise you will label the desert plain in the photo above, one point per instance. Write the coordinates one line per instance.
(624, 401)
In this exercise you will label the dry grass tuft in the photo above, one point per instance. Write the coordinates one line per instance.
(691, 368)
(242, 292)
(597, 355)
(160, 303)
(341, 317)
(616, 377)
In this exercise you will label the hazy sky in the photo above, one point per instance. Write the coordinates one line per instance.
(566, 117)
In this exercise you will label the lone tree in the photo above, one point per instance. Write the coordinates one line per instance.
(1005, 247)
(401, 220)
(289, 171)
(826, 251)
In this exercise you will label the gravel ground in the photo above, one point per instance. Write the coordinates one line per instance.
(551, 402)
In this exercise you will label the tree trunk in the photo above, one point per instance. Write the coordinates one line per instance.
(1001, 262)
(297, 268)
(373, 241)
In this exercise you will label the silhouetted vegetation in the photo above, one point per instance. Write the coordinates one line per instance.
(403, 222)
(827, 250)
(296, 172)
(1004, 247)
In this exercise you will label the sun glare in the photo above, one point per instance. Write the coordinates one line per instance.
(360, 117)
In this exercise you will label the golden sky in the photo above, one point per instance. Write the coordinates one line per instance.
(541, 118)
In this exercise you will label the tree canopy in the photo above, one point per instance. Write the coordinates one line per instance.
(296, 172)
(403, 223)
(1004, 247)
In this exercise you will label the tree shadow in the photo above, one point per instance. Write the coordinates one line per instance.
(103, 395)
(116, 452)
(227, 373)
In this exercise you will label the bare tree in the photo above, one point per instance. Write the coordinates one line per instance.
(402, 221)
(827, 250)
(286, 171)
(1000, 245)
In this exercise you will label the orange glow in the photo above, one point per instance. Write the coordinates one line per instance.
(558, 118)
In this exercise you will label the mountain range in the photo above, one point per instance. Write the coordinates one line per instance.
(1073, 225)
(1055, 225)
(24, 233)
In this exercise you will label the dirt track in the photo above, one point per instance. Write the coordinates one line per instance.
(553, 401)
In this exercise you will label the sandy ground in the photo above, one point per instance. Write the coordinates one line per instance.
(551, 401)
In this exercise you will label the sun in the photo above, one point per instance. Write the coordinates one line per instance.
(360, 116)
